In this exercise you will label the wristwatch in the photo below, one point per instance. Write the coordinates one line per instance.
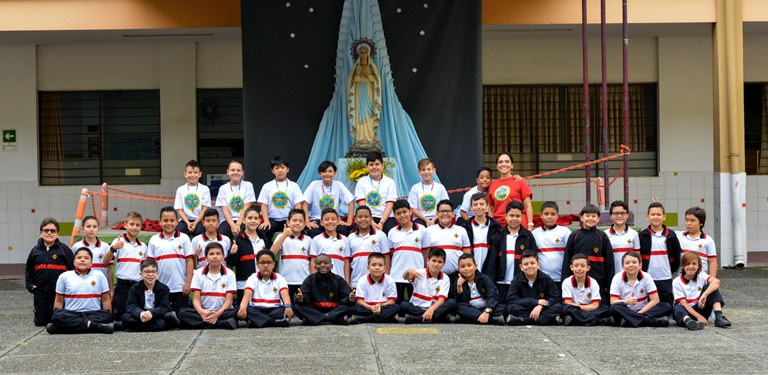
(488, 310)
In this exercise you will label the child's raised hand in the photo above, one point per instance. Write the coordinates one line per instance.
(233, 249)
(632, 300)
(299, 296)
(412, 274)
(352, 295)
(460, 281)
(119, 243)
(287, 230)
(198, 251)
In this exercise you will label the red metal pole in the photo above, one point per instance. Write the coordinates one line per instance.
(585, 73)
(625, 93)
(604, 98)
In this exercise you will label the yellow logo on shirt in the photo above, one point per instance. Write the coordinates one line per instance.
(179, 247)
(280, 200)
(373, 242)
(223, 285)
(93, 283)
(303, 249)
(54, 256)
(596, 250)
(501, 193)
(191, 201)
(629, 241)
(141, 254)
(589, 295)
(700, 246)
(522, 247)
(274, 290)
(330, 294)
(557, 240)
(455, 235)
(642, 291)
(373, 199)
(428, 202)
(416, 240)
(699, 289)
(541, 295)
(326, 202)
(437, 290)
(236, 204)
(101, 256)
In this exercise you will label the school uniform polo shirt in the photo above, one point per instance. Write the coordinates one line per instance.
(337, 248)
(582, 296)
(480, 241)
(171, 256)
(361, 246)
(266, 293)
(202, 241)
(475, 298)
(427, 290)
(426, 197)
(466, 202)
(622, 243)
(551, 243)
(658, 265)
(213, 288)
(128, 259)
(376, 292)
(704, 245)
(405, 247)
(642, 288)
(82, 292)
(98, 250)
(689, 291)
(453, 240)
(321, 197)
(294, 259)
(191, 199)
(376, 194)
(510, 272)
(235, 197)
(280, 197)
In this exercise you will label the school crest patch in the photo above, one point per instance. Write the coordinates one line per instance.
(699, 289)
(522, 247)
(326, 202)
(101, 256)
(223, 285)
(557, 240)
(416, 240)
(93, 283)
(280, 199)
(501, 193)
(141, 254)
(54, 256)
(330, 294)
(373, 242)
(180, 247)
(191, 201)
(596, 250)
(642, 291)
(428, 202)
(303, 249)
(700, 246)
(373, 199)
(589, 295)
(629, 241)
(437, 290)
(236, 204)
(341, 249)
(541, 295)
(274, 290)
(455, 235)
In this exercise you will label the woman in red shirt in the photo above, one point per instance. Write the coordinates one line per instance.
(508, 188)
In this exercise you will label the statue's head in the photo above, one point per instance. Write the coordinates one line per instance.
(364, 49)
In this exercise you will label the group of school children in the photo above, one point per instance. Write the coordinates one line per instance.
(379, 265)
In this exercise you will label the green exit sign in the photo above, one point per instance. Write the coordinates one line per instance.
(9, 136)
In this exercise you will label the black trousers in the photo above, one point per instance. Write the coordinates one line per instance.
(225, 230)
(157, 323)
(679, 311)
(586, 318)
(387, 314)
(68, 321)
(182, 227)
(178, 301)
(260, 317)
(469, 313)
(665, 291)
(276, 226)
(43, 306)
(547, 316)
(448, 307)
(404, 292)
(313, 315)
(120, 299)
(621, 311)
(502, 289)
(191, 319)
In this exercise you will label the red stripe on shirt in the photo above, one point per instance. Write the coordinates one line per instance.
(335, 256)
(426, 298)
(58, 267)
(247, 257)
(325, 305)
(548, 249)
(213, 294)
(480, 245)
(448, 247)
(596, 259)
(261, 300)
(406, 248)
(362, 254)
(623, 249)
(299, 257)
(658, 252)
(81, 295)
(169, 256)
(129, 260)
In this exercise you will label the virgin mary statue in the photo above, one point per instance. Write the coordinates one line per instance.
(365, 114)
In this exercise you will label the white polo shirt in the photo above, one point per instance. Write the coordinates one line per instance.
(361, 246)
(280, 197)
(128, 259)
(551, 244)
(585, 295)
(510, 272)
(466, 201)
(376, 194)
(201, 241)
(406, 249)
(704, 245)
(475, 299)
(98, 250)
(192, 199)
(642, 288)
(321, 197)
(375, 293)
(689, 291)
(213, 288)
(480, 242)
(171, 256)
(235, 197)
(82, 293)
(659, 266)
(427, 290)
(337, 248)
(622, 243)
(266, 293)
(294, 259)
(426, 197)
(453, 240)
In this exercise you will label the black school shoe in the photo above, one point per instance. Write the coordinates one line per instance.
(567, 320)
(497, 320)
(229, 324)
(659, 322)
(412, 319)
(107, 328)
(694, 325)
(52, 329)
(282, 323)
(515, 321)
(722, 322)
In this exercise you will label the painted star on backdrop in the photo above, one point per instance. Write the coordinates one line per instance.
(422, 32)
(399, 10)
(288, 5)
(306, 66)
(414, 70)
(426, 5)
(293, 35)
(311, 10)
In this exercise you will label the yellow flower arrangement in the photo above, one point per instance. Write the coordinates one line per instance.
(356, 168)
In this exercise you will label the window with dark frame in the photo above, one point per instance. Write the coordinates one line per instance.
(542, 127)
(219, 128)
(756, 128)
(91, 137)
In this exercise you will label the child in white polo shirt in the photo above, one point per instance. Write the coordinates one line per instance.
(634, 297)
(376, 294)
(82, 301)
(481, 228)
(294, 249)
(377, 191)
(425, 195)
(278, 197)
(581, 297)
(623, 238)
(697, 295)
(365, 241)
(97, 247)
(173, 253)
(266, 302)
(333, 244)
(128, 252)
(483, 179)
(695, 240)
(327, 193)
(192, 199)
(660, 251)
(429, 301)
(211, 224)
(233, 199)
(213, 289)
(551, 240)
(449, 237)
(408, 245)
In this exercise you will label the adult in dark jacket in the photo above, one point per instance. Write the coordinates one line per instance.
(48, 259)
